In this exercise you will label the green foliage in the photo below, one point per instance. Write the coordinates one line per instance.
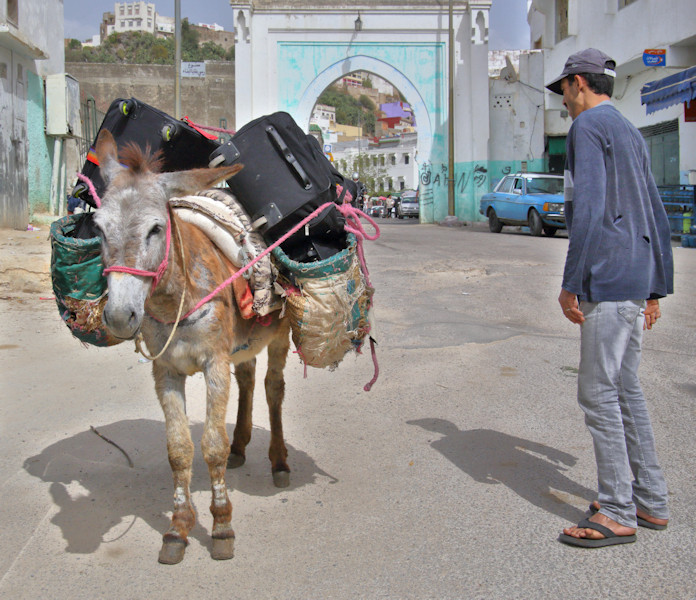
(349, 110)
(367, 102)
(144, 48)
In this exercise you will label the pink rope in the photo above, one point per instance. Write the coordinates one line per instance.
(90, 187)
(368, 386)
(217, 129)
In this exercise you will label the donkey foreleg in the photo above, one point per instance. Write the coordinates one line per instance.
(275, 392)
(171, 393)
(245, 374)
(215, 446)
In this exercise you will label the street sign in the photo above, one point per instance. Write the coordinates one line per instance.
(655, 58)
(193, 69)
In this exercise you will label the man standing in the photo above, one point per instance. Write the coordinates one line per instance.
(619, 264)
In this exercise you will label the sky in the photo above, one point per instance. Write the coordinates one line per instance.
(508, 29)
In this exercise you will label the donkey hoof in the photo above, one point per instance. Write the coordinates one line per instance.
(223, 549)
(281, 479)
(172, 552)
(235, 460)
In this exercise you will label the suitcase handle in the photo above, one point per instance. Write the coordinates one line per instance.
(287, 154)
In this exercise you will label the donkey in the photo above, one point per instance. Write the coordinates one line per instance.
(139, 231)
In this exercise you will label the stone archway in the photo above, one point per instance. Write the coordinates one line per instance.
(287, 55)
(383, 70)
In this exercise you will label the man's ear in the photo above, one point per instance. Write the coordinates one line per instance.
(107, 155)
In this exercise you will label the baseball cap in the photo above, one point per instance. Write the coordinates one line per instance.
(590, 60)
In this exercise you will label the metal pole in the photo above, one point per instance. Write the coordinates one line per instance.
(450, 180)
(177, 59)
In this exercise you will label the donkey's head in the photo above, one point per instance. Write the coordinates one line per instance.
(134, 225)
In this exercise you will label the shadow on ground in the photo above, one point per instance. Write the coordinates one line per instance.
(99, 496)
(532, 470)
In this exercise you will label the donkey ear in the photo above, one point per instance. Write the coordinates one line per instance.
(107, 155)
(183, 183)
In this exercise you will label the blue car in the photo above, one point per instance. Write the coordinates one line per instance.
(531, 199)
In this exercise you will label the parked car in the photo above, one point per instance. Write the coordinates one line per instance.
(407, 204)
(376, 207)
(531, 199)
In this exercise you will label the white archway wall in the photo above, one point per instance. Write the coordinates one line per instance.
(385, 71)
(282, 53)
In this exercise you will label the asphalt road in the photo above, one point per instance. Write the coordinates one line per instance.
(452, 478)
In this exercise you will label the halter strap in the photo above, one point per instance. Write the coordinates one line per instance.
(156, 275)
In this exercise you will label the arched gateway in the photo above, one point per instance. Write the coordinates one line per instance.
(287, 53)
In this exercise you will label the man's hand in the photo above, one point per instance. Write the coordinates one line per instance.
(652, 313)
(571, 309)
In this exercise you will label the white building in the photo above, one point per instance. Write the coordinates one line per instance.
(624, 29)
(165, 25)
(134, 16)
(383, 167)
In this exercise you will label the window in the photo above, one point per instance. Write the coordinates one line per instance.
(519, 185)
(402, 185)
(392, 160)
(561, 20)
(13, 11)
(406, 159)
(506, 185)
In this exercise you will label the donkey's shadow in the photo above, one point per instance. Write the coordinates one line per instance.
(96, 490)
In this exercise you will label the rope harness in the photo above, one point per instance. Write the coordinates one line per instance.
(353, 225)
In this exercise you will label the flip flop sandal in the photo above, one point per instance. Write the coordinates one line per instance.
(609, 539)
(641, 522)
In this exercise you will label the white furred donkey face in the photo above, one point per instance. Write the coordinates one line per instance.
(133, 223)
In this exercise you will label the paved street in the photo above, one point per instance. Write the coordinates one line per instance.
(451, 479)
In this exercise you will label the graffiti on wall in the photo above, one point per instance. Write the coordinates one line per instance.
(432, 178)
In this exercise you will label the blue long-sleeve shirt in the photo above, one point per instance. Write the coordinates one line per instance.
(619, 237)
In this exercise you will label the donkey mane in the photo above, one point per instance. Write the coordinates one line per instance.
(140, 161)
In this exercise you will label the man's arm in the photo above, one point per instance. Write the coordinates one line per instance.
(588, 171)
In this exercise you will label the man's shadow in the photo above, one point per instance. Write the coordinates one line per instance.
(529, 469)
(99, 496)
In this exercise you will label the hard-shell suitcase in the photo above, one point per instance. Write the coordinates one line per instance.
(183, 147)
(285, 178)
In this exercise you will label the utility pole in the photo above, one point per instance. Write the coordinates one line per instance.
(177, 58)
(450, 178)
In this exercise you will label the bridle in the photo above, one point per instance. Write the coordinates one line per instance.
(157, 277)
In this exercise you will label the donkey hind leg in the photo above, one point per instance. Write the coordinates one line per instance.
(215, 446)
(245, 374)
(275, 391)
(170, 391)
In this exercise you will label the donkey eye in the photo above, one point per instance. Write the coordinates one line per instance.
(155, 230)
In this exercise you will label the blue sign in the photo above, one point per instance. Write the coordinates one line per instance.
(655, 58)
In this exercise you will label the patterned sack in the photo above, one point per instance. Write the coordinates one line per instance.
(78, 282)
(327, 303)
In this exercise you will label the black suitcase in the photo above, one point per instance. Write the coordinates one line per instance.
(183, 147)
(285, 178)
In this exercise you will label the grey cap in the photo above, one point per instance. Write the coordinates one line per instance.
(590, 60)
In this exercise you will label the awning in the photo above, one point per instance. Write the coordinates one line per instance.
(663, 93)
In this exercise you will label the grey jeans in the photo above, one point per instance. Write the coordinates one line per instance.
(609, 392)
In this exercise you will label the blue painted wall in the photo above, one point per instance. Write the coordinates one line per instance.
(40, 147)
(423, 67)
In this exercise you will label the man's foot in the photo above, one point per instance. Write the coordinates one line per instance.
(643, 518)
(585, 532)
(597, 532)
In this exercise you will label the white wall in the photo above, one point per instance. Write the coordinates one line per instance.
(624, 35)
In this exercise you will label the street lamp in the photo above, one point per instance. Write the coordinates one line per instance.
(358, 23)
